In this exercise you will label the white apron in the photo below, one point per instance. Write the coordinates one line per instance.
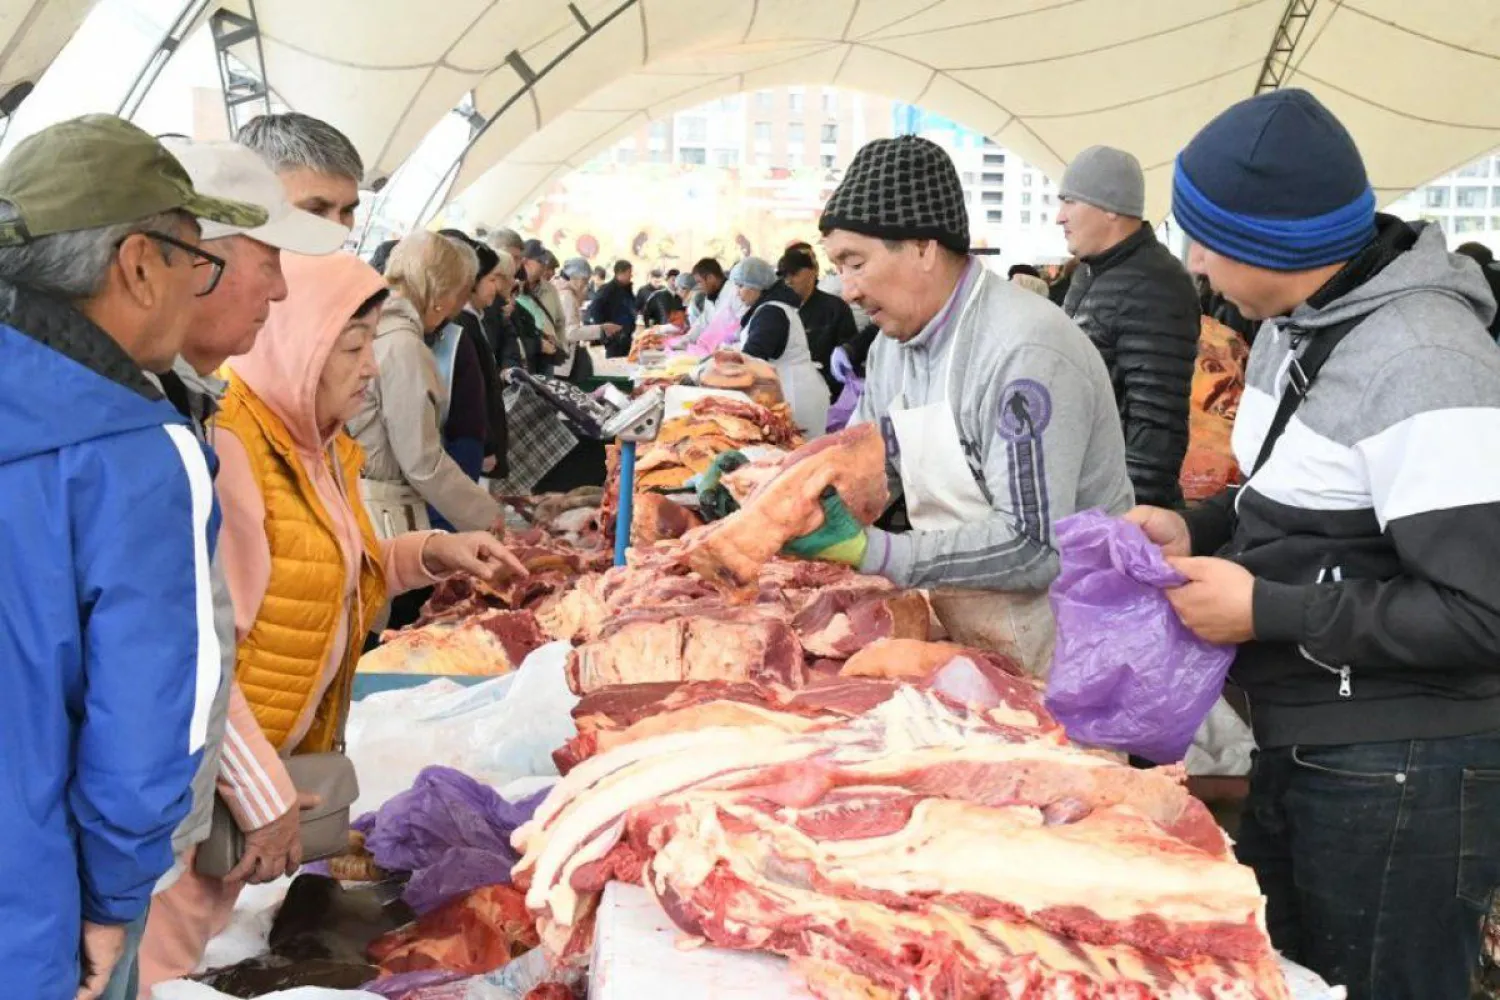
(941, 493)
(801, 385)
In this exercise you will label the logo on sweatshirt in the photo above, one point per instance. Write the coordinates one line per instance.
(1025, 410)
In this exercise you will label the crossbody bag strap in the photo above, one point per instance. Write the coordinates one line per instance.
(1300, 376)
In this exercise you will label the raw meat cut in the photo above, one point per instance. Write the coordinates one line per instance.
(916, 850)
(659, 519)
(552, 564)
(486, 643)
(692, 643)
(731, 552)
(839, 623)
(473, 934)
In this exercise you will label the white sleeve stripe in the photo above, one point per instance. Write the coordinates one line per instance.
(257, 781)
(244, 796)
(1434, 460)
(232, 778)
(201, 489)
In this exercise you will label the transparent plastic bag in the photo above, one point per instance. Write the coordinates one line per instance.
(1126, 674)
(495, 732)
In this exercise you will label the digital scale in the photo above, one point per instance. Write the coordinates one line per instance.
(608, 415)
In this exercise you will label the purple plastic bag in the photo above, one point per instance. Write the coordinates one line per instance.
(451, 832)
(843, 407)
(400, 985)
(1126, 673)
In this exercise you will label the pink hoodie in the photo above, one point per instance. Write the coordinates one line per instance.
(283, 369)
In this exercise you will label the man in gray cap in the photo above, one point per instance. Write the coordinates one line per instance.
(1138, 305)
(997, 414)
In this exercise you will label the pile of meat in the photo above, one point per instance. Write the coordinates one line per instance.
(470, 627)
(1218, 382)
(654, 339)
(687, 445)
(913, 826)
(653, 622)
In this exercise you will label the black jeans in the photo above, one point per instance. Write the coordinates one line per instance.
(1378, 860)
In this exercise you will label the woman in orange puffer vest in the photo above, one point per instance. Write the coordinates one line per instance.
(307, 574)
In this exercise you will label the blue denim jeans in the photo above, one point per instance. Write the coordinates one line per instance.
(124, 983)
(1378, 860)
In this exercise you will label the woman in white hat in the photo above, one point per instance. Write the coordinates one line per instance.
(772, 330)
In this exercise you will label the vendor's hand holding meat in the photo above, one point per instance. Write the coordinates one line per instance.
(475, 552)
(276, 848)
(841, 539)
(102, 946)
(1217, 601)
(610, 329)
(1164, 527)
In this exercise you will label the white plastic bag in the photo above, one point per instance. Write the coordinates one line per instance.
(1223, 745)
(495, 732)
(249, 931)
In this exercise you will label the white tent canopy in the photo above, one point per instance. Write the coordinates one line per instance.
(555, 82)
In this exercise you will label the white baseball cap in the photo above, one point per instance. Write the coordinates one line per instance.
(229, 170)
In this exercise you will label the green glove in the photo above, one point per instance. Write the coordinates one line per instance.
(841, 539)
(714, 499)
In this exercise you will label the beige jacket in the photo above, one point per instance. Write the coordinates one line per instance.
(399, 426)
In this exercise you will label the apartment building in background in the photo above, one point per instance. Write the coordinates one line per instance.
(1465, 203)
(786, 128)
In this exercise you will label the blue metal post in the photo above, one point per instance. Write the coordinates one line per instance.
(627, 501)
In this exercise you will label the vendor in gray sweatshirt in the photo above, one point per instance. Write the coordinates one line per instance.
(997, 412)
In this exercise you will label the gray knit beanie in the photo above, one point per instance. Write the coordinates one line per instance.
(1106, 178)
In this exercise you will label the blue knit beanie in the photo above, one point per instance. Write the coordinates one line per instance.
(1276, 182)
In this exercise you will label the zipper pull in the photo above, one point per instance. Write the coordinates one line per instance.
(1346, 687)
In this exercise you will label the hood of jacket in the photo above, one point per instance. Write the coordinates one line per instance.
(1404, 259)
(55, 353)
(287, 362)
(778, 292)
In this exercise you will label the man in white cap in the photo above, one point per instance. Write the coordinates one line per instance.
(997, 413)
(1139, 307)
(225, 324)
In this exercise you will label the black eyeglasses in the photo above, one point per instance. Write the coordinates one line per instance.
(201, 258)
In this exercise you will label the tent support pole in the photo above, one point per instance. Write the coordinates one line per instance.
(1273, 72)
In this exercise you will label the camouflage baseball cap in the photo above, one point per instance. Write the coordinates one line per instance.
(96, 171)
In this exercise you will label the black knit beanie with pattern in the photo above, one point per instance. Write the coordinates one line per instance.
(904, 188)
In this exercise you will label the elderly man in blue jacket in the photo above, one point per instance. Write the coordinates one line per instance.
(109, 658)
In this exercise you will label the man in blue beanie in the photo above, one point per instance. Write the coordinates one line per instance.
(1357, 565)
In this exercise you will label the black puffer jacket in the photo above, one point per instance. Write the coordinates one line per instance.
(1138, 305)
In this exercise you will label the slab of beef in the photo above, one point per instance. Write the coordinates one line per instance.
(839, 623)
(625, 713)
(916, 850)
(689, 643)
(731, 552)
(484, 643)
